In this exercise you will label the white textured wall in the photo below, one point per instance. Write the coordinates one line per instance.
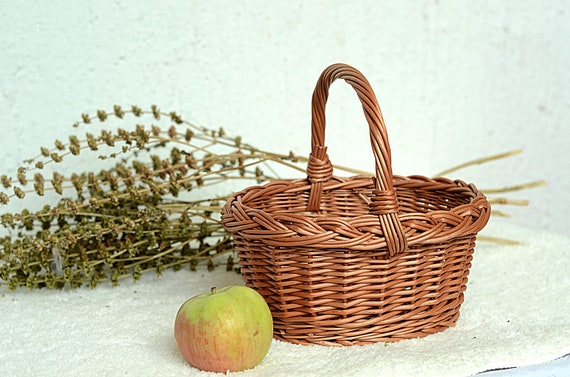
(456, 79)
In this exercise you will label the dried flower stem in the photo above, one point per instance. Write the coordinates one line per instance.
(498, 240)
(126, 220)
(519, 187)
(479, 161)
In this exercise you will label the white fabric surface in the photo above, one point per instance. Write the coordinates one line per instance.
(515, 314)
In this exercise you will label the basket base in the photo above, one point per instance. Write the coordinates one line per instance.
(367, 336)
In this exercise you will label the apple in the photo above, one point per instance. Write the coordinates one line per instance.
(228, 329)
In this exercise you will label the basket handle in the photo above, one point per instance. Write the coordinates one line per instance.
(384, 203)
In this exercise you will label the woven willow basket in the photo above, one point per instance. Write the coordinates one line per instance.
(350, 261)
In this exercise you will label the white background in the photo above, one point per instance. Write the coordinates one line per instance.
(456, 80)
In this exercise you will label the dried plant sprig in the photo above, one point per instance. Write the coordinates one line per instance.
(498, 240)
(522, 186)
(151, 210)
(479, 161)
(148, 212)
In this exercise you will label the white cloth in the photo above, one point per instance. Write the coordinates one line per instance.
(515, 314)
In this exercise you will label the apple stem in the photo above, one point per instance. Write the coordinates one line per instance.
(213, 290)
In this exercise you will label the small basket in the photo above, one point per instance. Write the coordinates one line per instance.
(359, 260)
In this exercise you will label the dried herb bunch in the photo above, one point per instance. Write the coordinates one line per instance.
(155, 206)
(135, 216)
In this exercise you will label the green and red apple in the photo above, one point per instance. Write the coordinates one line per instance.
(228, 329)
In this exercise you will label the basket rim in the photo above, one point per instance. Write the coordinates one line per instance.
(359, 232)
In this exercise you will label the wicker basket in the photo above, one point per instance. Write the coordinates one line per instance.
(351, 261)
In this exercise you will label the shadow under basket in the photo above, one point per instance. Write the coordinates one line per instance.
(359, 260)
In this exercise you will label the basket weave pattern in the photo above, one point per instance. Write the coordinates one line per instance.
(358, 260)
